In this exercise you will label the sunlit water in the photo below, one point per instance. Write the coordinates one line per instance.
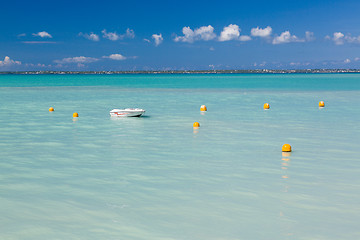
(155, 177)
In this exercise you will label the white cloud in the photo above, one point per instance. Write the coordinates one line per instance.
(8, 62)
(147, 40)
(115, 56)
(158, 39)
(244, 38)
(42, 34)
(261, 32)
(188, 35)
(92, 36)
(309, 36)
(113, 36)
(205, 33)
(80, 59)
(22, 35)
(231, 32)
(351, 39)
(129, 33)
(347, 61)
(286, 37)
(338, 38)
(212, 49)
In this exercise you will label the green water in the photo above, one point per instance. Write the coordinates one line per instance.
(155, 177)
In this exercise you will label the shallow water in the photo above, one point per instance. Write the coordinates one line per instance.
(155, 177)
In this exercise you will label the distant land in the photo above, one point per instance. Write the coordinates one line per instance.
(189, 71)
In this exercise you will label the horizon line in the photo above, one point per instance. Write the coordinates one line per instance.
(234, 71)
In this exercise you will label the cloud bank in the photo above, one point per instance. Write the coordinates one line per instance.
(80, 59)
(8, 62)
(38, 42)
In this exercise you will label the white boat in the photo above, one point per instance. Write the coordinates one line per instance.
(127, 112)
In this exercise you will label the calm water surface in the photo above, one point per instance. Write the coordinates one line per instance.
(155, 177)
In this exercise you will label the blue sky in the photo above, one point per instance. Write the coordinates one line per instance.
(178, 35)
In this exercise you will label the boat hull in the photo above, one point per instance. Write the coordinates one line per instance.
(128, 112)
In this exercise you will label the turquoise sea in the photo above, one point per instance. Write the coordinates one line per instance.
(155, 177)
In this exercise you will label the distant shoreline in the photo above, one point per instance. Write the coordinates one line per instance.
(264, 71)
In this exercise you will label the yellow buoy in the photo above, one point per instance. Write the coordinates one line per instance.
(196, 124)
(321, 104)
(286, 148)
(51, 109)
(203, 108)
(266, 106)
(75, 114)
